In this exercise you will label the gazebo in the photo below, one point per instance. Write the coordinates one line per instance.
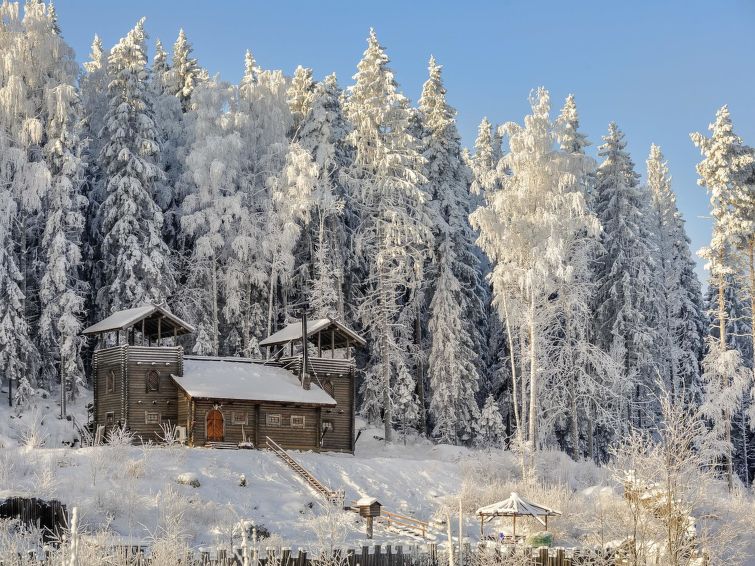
(515, 506)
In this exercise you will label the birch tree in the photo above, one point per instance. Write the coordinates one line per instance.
(528, 228)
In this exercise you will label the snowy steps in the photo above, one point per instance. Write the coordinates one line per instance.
(222, 445)
(304, 474)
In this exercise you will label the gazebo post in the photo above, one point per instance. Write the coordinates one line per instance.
(546, 521)
(514, 533)
(482, 526)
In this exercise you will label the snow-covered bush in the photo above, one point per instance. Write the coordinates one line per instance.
(30, 429)
(188, 478)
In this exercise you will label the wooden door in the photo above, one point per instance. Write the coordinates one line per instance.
(214, 426)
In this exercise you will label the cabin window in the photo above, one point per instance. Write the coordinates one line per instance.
(110, 418)
(273, 420)
(151, 417)
(153, 380)
(110, 382)
(327, 426)
(297, 421)
(239, 417)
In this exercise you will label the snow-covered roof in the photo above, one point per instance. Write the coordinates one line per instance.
(293, 332)
(516, 505)
(122, 320)
(366, 501)
(244, 379)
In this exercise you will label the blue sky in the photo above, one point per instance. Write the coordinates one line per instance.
(660, 69)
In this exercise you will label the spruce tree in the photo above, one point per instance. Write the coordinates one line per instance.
(185, 73)
(136, 264)
(682, 321)
(457, 317)
(323, 134)
(724, 171)
(625, 275)
(491, 430)
(62, 291)
(393, 231)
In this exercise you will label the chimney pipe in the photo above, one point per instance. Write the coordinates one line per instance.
(304, 356)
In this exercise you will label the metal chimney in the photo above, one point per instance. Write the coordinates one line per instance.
(305, 380)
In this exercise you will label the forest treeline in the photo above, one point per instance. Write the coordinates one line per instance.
(519, 292)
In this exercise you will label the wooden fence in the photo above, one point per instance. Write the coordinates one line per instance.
(425, 555)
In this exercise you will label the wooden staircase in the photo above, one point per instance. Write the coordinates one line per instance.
(335, 497)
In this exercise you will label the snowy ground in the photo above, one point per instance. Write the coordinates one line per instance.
(132, 492)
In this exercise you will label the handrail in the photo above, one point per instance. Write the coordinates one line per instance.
(314, 483)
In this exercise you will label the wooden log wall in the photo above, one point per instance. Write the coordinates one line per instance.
(141, 361)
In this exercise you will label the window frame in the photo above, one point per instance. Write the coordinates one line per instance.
(110, 381)
(147, 420)
(270, 419)
(303, 424)
(239, 421)
(152, 373)
(110, 418)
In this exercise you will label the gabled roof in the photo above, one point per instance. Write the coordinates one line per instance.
(293, 332)
(516, 506)
(150, 313)
(247, 380)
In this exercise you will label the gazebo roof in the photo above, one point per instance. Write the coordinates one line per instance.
(292, 332)
(150, 314)
(516, 506)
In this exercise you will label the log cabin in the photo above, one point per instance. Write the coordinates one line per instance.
(301, 397)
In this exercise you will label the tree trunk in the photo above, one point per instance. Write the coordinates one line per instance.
(270, 293)
(591, 432)
(215, 337)
(533, 375)
(523, 392)
(510, 338)
(722, 340)
(385, 361)
(420, 368)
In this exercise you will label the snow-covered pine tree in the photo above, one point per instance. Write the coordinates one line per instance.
(627, 287)
(15, 342)
(682, 320)
(490, 426)
(135, 261)
(457, 315)
(393, 231)
(62, 292)
(185, 73)
(94, 103)
(323, 134)
(725, 169)
(738, 333)
(169, 120)
(529, 228)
